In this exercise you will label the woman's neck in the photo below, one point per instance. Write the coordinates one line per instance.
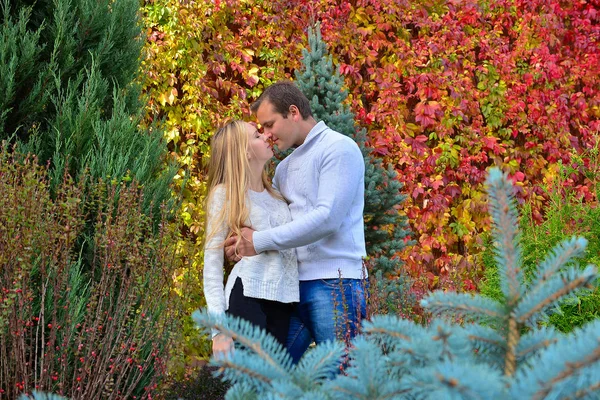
(256, 183)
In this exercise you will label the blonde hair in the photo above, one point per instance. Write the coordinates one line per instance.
(229, 167)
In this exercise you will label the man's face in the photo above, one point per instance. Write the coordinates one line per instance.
(276, 128)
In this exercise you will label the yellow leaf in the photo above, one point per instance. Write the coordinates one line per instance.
(162, 99)
(172, 135)
(253, 72)
(172, 96)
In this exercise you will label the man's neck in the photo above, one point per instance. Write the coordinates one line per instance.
(305, 128)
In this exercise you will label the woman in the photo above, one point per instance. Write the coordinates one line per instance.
(261, 288)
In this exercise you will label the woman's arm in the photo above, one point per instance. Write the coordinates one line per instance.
(213, 255)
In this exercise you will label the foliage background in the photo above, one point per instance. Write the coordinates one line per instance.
(445, 89)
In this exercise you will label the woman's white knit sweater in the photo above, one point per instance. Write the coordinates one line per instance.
(271, 275)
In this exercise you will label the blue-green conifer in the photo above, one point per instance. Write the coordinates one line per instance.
(500, 351)
(385, 228)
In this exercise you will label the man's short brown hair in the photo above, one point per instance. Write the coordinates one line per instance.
(282, 95)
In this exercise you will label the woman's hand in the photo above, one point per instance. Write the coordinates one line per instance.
(222, 346)
(235, 250)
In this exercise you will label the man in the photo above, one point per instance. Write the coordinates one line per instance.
(323, 182)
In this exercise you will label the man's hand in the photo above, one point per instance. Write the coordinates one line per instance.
(236, 249)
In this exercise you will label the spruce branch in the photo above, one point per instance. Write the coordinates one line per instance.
(558, 258)
(392, 327)
(505, 228)
(318, 364)
(267, 351)
(555, 289)
(463, 304)
(571, 368)
(585, 392)
(489, 343)
(512, 341)
(241, 391)
(456, 380)
(562, 369)
(37, 395)
(535, 341)
(363, 378)
(562, 254)
(481, 334)
(228, 364)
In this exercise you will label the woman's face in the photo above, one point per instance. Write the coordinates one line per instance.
(258, 147)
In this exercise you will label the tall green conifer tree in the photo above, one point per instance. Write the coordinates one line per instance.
(385, 228)
(68, 91)
(102, 308)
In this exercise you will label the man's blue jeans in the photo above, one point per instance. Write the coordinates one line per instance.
(328, 310)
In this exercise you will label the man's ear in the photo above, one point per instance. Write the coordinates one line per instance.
(295, 112)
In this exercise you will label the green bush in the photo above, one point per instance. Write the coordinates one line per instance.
(86, 331)
(566, 215)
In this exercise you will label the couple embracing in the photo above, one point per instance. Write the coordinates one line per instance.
(298, 244)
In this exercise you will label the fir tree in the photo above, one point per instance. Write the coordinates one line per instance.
(68, 91)
(385, 228)
(500, 352)
(68, 94)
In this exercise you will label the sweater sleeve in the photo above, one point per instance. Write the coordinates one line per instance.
(342, 171)
(214, 291)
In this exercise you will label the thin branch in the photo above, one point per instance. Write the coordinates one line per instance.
(486, 340)
(540, 345)
(564, 290)
(397, 335)
(465, 307)
(571, 368)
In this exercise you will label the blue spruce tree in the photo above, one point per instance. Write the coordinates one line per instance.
(501, 351)
(385, 228)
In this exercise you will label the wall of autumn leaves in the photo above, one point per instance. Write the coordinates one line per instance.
(446, 88)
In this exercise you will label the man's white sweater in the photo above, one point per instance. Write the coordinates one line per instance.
(323, 182)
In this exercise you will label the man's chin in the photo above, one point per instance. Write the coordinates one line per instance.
(280, 146)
